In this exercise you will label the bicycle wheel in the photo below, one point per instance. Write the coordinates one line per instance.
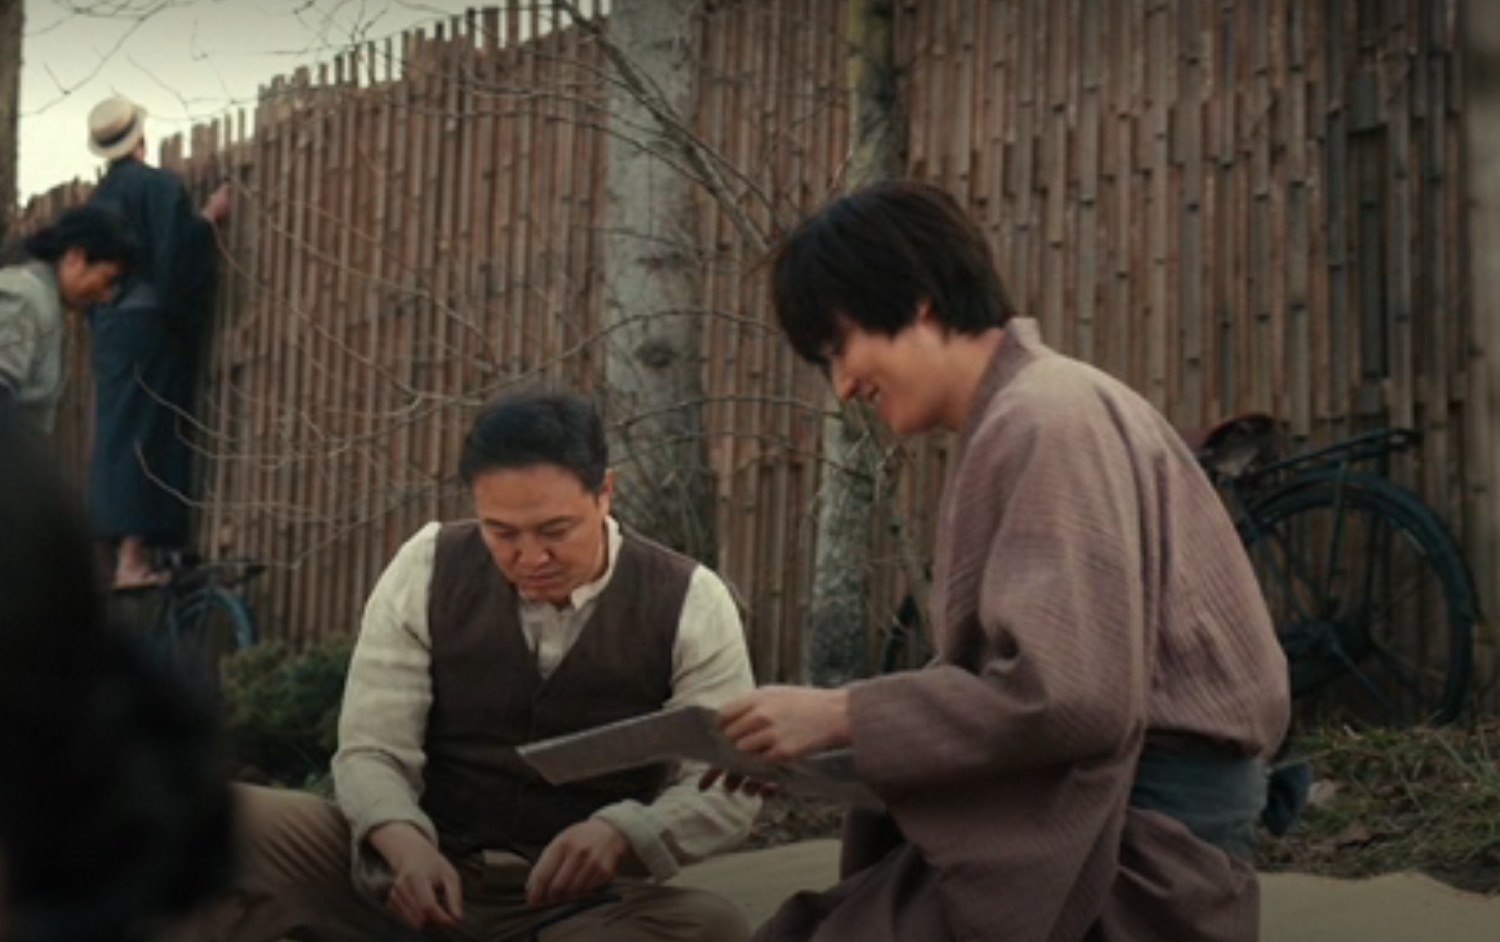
(1371, 598)
(208, 626)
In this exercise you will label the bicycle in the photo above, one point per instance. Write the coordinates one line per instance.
(1345, 558)
(202, 618)
(1371, 597)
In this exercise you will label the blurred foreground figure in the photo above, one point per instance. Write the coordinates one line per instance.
(112, 811)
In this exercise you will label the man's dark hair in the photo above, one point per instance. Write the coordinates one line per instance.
(101, 233)
(525, 429)
(873, 257)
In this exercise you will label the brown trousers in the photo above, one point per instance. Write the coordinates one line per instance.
(294, 883)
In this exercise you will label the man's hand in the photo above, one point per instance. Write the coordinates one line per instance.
(780, 724)
(580, 860)
(427, 890)
(217, 207)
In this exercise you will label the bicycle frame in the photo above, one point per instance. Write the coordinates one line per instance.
(1370, 446)
(194, 596)
(1322, 531)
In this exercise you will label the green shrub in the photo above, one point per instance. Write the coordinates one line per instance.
(282, 710)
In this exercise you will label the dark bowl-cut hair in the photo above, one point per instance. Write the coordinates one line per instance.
(100, 232)
(873, 256)
(525, 429)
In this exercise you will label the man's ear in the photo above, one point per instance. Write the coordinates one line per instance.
(607, 487)
(924, 313)
(69, 262)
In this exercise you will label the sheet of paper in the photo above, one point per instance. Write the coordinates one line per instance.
(689, 733)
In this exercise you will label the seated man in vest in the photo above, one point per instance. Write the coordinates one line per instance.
(539, 617)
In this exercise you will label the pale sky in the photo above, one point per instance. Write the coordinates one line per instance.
(185, 60)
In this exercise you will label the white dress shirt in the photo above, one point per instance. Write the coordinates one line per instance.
(378, 768)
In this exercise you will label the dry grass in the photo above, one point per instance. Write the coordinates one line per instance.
(1389, 800)
(784, 820)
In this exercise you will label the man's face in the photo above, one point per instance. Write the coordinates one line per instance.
(83, 283)
(905, 377)
(543, 528)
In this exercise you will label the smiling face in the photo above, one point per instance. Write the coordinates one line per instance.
(906, 377)
(83, 283)
(543, 528)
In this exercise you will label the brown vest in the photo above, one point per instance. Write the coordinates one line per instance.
(488, 697)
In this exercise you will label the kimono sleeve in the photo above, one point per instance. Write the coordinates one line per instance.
(1043, 635)
(185, 253)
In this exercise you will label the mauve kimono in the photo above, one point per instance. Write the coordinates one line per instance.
(1089, 590)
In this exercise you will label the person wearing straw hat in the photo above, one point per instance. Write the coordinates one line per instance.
(145, 345)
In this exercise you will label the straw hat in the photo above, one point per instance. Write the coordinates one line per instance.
(116, 125)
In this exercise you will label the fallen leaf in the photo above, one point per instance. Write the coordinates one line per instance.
(1355, 835)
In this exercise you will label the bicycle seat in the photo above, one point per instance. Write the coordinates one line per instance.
(1235, 445)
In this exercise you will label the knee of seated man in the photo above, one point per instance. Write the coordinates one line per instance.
(681, 914)
(292, 834)
(712, 918)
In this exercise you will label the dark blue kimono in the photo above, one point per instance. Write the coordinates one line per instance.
(145, 349)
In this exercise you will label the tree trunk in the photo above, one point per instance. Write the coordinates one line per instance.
(653, 289)
(12, 24)
(837, 633)
(1479, 26)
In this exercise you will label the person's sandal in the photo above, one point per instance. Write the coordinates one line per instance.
(153, 579)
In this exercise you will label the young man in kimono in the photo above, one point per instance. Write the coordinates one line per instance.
(1084, 758)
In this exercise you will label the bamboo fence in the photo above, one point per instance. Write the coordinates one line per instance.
(1230, 204)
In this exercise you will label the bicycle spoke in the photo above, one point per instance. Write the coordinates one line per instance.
(1417, 584)
(1335, 544)
(1284, 573)
(1367, 592)
(1397, 670)
(1371, 687)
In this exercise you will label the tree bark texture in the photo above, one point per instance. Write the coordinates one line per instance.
(1479, 25)
(837, 635)
(12, 25)
(654, 310)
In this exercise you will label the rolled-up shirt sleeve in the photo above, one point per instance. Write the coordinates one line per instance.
(377, 771)
(711, 666)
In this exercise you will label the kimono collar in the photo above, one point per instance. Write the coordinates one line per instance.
(1021, 345)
